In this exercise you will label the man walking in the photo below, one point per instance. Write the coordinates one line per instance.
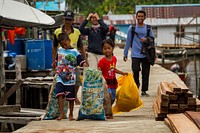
(136, 40)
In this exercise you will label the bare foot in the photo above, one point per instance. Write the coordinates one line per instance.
(61, 116)
(109, 116)
(71, 118)
(77, 102)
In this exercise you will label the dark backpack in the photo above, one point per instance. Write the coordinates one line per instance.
(147, 48)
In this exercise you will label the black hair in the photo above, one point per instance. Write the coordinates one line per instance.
(141, 11)
(62, 36)
(108, 41)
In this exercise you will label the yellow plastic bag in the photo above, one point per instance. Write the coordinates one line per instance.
(127, 95)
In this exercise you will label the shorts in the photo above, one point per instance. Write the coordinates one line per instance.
(94, 59)
(78, 80)
(112, 92)
(64, 90)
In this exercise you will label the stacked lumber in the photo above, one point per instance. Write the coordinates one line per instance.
(174, 97)
(188, 122)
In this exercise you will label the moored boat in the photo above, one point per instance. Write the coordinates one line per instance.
(182, 63)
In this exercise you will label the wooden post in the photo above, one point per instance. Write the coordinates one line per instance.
(18, 77)
(16, 86)
(163, 56)
(195, 71)
(199, 88)
(2, 70)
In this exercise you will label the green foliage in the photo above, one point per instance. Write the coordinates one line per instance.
(118, 6)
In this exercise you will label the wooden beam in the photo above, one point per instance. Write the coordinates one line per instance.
(176, 89)
(20, 114)
(18, 77)
(2, 70)
(10, 108)
(182, 124)
(18, 120)
(182, 85)
(10, 92)
(165, 88)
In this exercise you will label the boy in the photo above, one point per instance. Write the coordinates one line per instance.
(68, 59)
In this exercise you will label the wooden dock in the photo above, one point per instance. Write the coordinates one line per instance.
(141, 120)
(26, 92)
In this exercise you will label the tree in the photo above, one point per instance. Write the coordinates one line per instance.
(118, 6)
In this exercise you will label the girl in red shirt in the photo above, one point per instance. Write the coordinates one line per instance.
(107, 65)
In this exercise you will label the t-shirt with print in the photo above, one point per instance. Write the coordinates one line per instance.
(108, 69)
(68, 60)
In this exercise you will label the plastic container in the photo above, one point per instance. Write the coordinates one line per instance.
(38, 54)
(18, 46)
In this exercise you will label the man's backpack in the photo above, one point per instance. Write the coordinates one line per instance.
(147, 48)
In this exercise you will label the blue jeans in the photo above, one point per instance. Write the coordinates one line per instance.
(136, 63)
(112, 92)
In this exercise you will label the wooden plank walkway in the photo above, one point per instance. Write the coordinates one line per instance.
(141, 120)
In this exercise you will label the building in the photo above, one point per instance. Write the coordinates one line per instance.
(174, 24)
(121, 23)
(56, 8)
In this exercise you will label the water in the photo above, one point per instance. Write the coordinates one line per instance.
(193, 76)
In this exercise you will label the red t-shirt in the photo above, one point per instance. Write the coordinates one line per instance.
(108, 69)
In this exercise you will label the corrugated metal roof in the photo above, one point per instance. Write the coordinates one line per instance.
(119, 19)
(138, 7)
(129, 19)
(170, 11)
(172, 21)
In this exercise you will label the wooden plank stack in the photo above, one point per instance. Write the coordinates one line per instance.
(183, 122)
(174, 97)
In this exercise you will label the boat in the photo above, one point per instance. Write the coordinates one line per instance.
(182, 63)
(167, 53)
(182, 76)
(120, 45)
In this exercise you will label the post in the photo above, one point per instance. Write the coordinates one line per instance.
(18, 77)
(195, 72)
(199, 88)
(2, 70)
(163, 56)
(58, 5)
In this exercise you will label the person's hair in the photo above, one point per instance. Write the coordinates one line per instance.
(62, 36)
(141, 11)
(108, 41)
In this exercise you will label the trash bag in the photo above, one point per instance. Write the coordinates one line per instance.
(127, 95)
(92, 96)
(52, 109)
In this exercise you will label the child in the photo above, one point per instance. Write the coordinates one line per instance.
(68, 59)
(107, 65)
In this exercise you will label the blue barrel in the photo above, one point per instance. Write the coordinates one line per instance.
(39, 54)
(18, 47)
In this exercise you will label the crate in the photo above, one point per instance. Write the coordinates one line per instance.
(39, 54)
